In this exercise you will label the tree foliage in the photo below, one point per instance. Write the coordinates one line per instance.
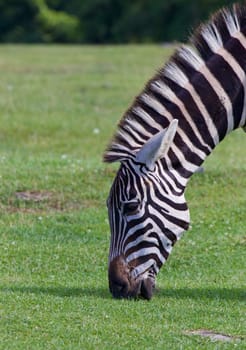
(102, 21)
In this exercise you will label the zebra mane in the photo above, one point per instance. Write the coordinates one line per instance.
(138, 123)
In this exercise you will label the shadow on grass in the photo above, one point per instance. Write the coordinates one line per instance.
(228, 294)
(59, 291)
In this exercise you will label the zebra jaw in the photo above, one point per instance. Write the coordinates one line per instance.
(123, 284)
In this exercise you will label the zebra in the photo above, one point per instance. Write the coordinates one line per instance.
(183, 112)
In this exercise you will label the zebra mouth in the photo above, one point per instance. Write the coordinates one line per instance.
(122, 284)
(147, 288)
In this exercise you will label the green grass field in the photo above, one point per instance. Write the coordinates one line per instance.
(59, 106)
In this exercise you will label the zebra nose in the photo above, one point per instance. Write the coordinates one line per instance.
(118, 275)
(119, 290)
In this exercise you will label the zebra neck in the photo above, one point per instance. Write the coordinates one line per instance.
(204, 88)
(208, 97)
(185, 157)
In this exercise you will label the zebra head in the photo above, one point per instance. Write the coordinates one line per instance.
(147, 213)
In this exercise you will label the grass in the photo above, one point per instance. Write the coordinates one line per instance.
(58, 109)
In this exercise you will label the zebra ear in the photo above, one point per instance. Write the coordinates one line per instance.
(157, 146)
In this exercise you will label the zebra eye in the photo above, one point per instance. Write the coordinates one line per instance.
(130, 208)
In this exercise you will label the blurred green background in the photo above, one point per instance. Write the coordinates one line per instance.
(102, 21)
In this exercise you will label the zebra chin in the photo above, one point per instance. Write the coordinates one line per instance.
(122, 284)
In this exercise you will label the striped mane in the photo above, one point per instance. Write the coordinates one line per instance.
(147, 115)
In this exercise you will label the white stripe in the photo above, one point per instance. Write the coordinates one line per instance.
(137, 227)
(146, 117)
(183, 214)
(134, 124)
(241, 38)
(133, 133)
(240, 74)
(185, 164)
(142, 238)
(123, 134)
(156, 105)
(222, 95)
(165, 179)
(140, 269)
(232, 23)
(175, 229)
(153, 103)
(145, 251)
(181, 180)
(233, 63)
(166, 184)
(212, 36)
(199, 65)
(190, 56)
(174, 73)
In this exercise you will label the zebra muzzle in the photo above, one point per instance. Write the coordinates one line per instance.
(123, 285)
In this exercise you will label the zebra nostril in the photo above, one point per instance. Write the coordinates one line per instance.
(118, 275)
(119, 291)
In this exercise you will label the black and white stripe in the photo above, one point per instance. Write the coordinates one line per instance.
(203, 88)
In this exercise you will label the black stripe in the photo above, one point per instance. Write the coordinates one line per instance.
(160, 245)
(175, 111)
(168, 201)
(170, 235)
(155, 115)
(131, 136)
(178, 166)
(136, 183)
(194, 112)
(138, 233)
(212, 102)
(132, 179)
(222, 29)
(168, 183)
(184, 65)
(202, 45)
(146, 126)
(237, 51)
(238, 106)
(145, 258)
(177, 221)
(145, 244)
(160, 223)
(190, 156)
(169, 174)
(224, 73)
(170, 218)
